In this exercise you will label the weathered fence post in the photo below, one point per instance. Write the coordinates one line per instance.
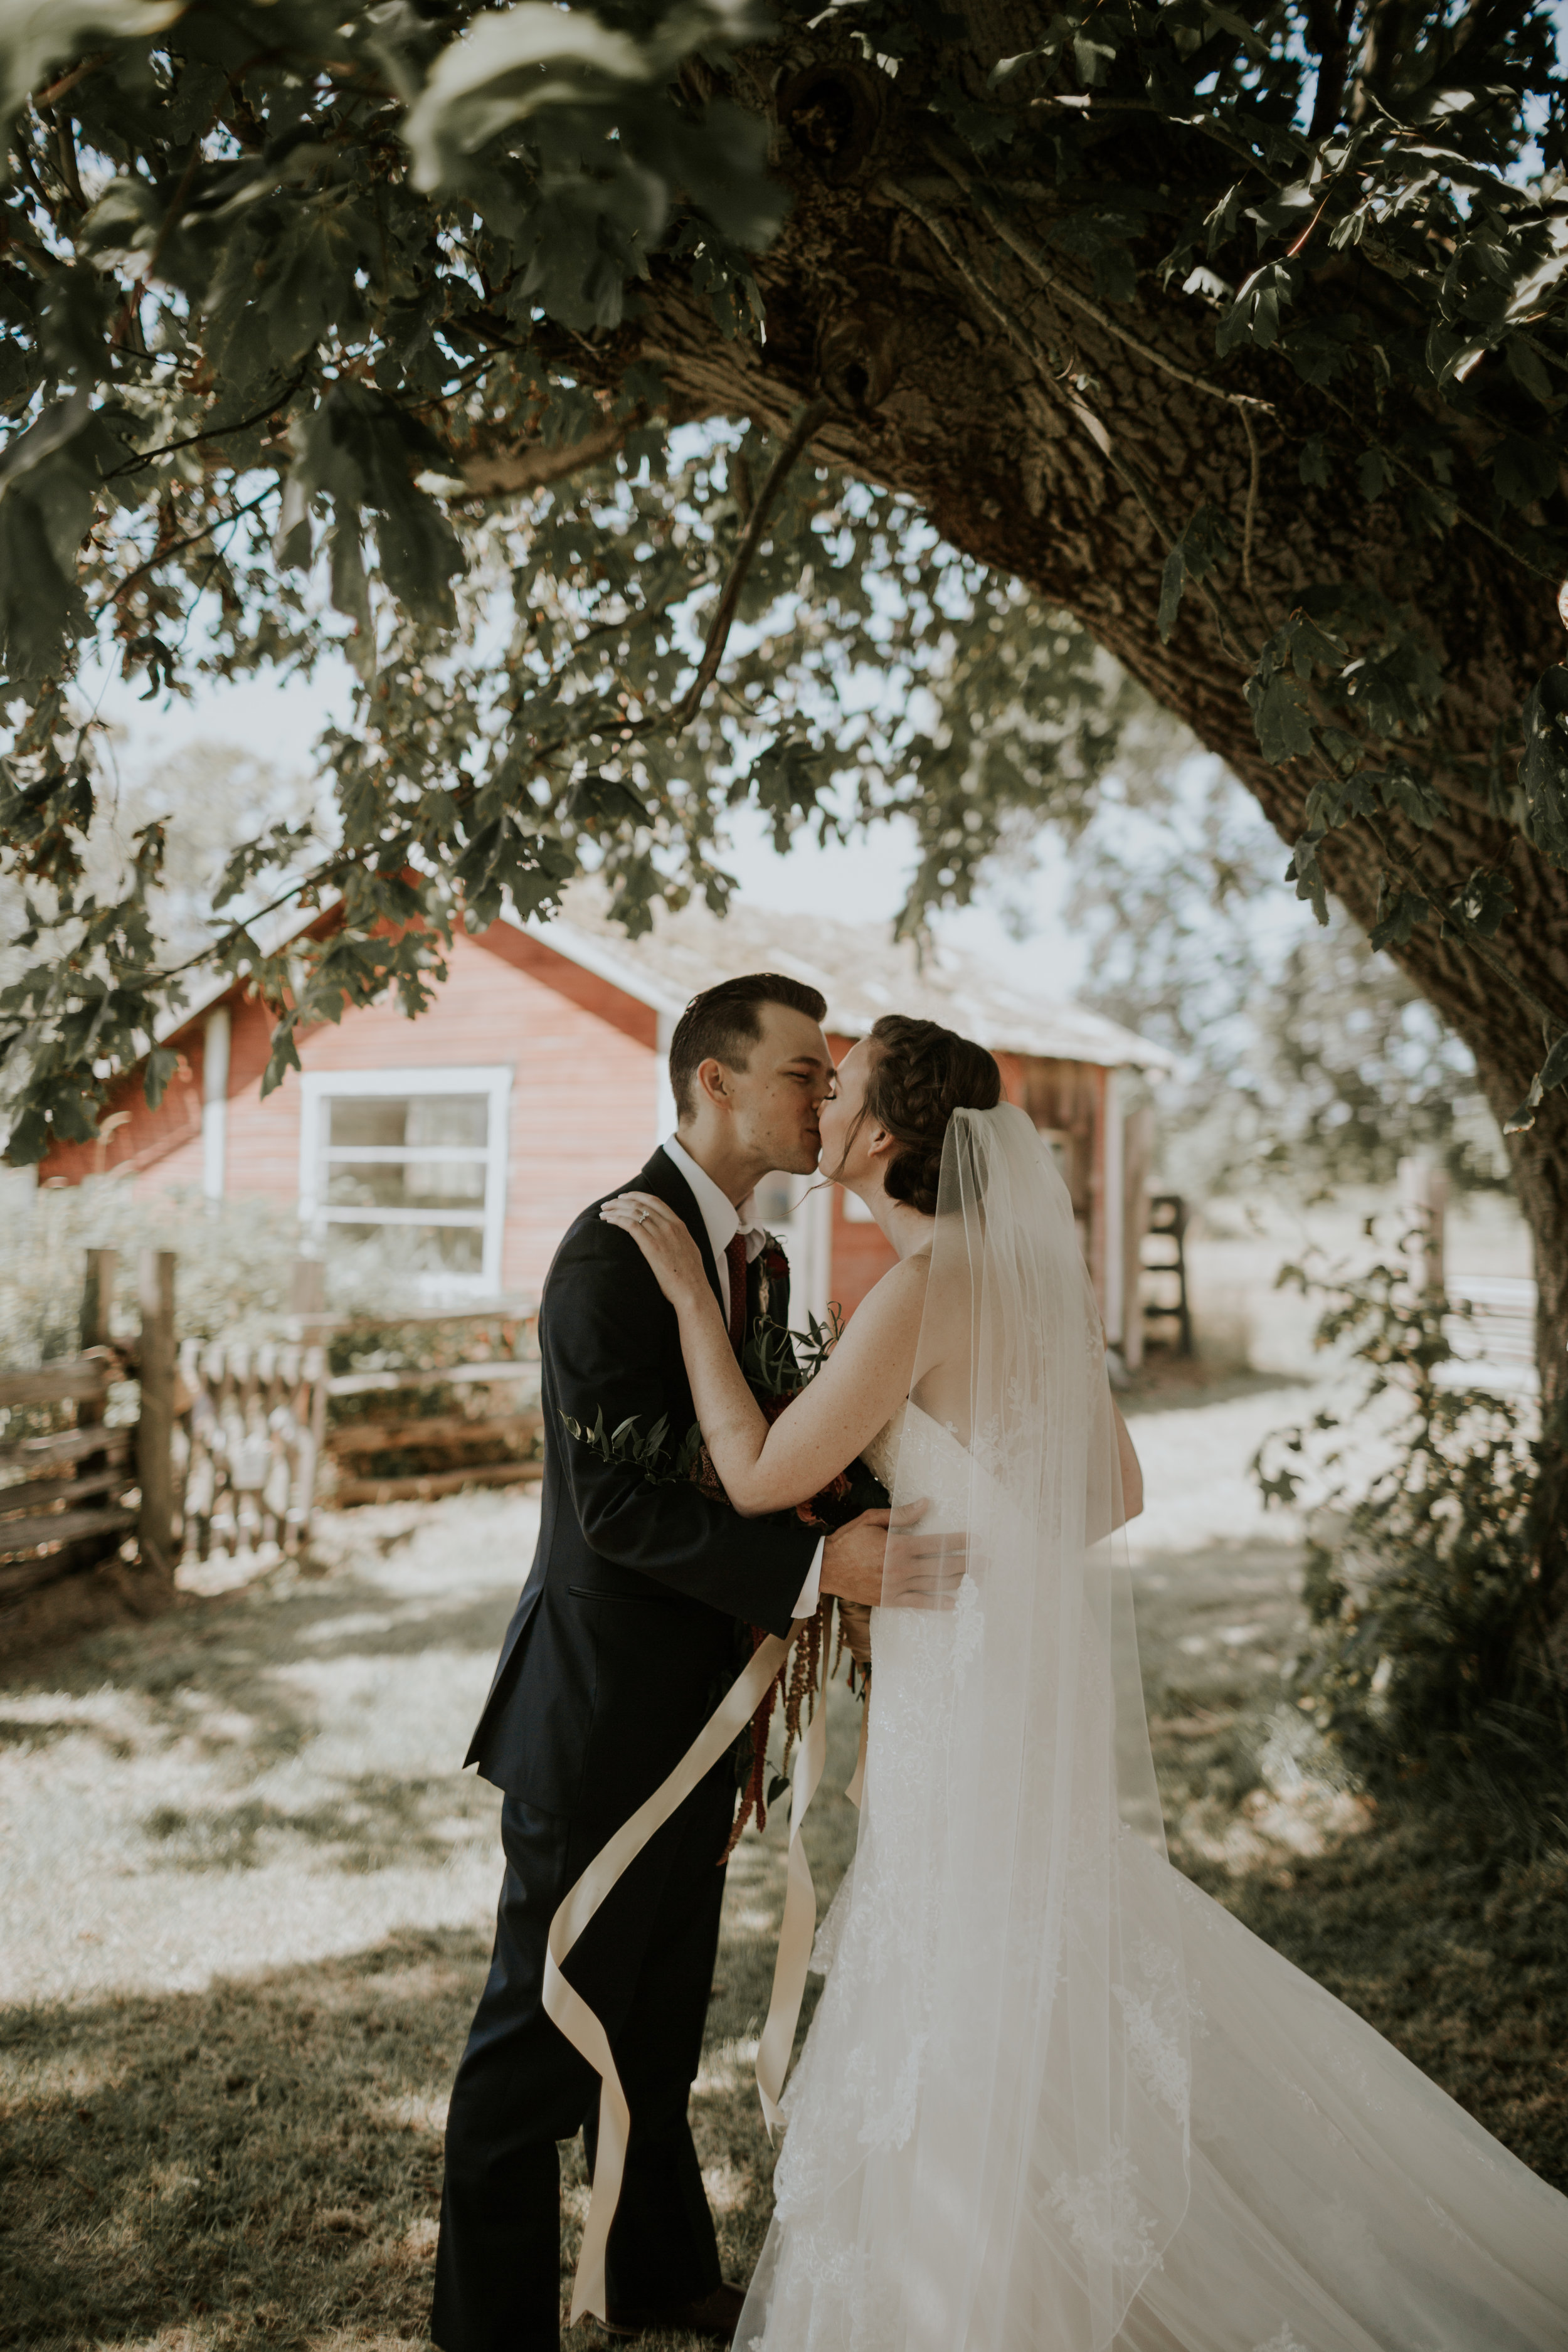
(97, 1304)
(155, 1430)
(97, 1299)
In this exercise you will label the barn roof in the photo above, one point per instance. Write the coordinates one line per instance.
(859, 967)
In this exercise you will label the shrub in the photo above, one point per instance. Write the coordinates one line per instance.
(1431, 1662)
(232, 1281)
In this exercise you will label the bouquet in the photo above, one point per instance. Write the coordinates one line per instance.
(778, 1363)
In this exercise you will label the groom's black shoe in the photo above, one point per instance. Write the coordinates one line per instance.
(718, 2315)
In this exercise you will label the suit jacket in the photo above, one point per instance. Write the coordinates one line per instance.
(625, 1637)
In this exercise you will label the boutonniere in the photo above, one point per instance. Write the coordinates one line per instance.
(772, 1267)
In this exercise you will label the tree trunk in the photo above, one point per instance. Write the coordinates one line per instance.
(935, 397)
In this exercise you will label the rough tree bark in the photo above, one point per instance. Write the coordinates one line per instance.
(882, 292)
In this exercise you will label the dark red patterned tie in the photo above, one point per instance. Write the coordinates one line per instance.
(735, 1257)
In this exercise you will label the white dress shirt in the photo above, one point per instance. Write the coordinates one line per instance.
(722, 1220)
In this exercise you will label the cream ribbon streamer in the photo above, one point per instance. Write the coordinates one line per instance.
(577, 2021)
(856, 1789)
(798, 1929)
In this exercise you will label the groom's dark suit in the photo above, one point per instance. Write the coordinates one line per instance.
(624, 1640)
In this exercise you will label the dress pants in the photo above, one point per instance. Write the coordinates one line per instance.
(645, 1965)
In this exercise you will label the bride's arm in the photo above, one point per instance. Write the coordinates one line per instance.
(765, 1468)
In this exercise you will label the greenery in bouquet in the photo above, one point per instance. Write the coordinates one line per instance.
(778, 1363)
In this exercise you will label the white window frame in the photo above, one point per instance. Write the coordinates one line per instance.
(491, 1078)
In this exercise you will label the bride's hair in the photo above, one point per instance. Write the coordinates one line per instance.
(920, 1073)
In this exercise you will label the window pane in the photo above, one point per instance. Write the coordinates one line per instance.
(367, 1119)
(408, 1119)
(413, 1249)
(406, 1184)
(449, 1118)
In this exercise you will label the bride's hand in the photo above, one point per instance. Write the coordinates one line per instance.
(664, 1240)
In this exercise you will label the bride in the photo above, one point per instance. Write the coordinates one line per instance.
(1052, 2098)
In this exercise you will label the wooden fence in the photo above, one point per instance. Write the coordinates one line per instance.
(248, 1444)
(230, 1439)
(389, 1451)
(72, 1492)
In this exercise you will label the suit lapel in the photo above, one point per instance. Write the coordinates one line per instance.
(664, 1179)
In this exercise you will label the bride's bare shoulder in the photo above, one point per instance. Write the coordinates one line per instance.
(901, 1292)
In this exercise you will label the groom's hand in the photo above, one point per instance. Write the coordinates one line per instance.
(880, 1559)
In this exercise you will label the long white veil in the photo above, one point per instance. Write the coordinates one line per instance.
(1050, 2163)
(987, 2140)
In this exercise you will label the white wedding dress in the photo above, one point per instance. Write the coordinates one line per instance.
(1062, 2102)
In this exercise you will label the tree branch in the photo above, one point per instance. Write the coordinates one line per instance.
(389, 855)
(191, 538)
(534, 466)
(1055, 283)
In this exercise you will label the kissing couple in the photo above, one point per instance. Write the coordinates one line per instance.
(1052, 2098)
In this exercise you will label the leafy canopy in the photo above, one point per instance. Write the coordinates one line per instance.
(306, 308)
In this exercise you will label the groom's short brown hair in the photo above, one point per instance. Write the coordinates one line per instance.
(721, 1023)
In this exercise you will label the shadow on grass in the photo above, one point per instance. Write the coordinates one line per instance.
(244, 1681)
(255, 2164)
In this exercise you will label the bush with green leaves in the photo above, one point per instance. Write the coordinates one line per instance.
(232, 1275)
(1432, 1665)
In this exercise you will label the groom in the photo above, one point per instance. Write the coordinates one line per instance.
(623, 1642)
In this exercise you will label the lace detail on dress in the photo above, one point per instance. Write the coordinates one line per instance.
(1101, 2210)
(1284, 2342)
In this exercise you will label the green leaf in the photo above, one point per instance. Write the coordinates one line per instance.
(600, 801)
(1544, 769)
(1312, 466)
(1522, 470)
(1280, 718)
(1527, 367)
(507, 65)
(1374, 472)
(1254, 316)
(29, 1139)
(1203, 544)
(284, 1056)
(1412, 795)
(1486, 902)
(34, 38)
(1400, 913)
(162, 1064)
(1307, 874)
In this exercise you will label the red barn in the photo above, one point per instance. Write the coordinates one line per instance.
(462, 1144)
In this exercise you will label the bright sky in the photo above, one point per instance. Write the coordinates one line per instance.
(862, 882)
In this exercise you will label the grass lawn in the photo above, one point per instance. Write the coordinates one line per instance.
(245, 1927)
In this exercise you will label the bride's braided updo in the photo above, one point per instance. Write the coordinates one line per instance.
(920, 1073)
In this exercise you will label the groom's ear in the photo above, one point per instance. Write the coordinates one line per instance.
(711, 1080)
